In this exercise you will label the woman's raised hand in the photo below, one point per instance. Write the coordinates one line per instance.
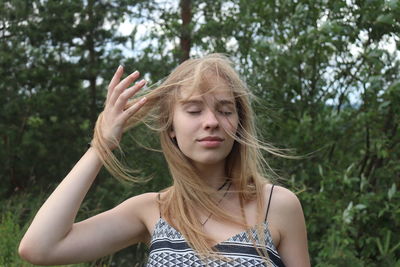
(115, 115)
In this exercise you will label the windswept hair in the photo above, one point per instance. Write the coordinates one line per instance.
(245, 165)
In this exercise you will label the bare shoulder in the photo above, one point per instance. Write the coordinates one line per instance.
(283, 199)
(145, 205)
(286, 216)
(145, 198)
(285, 206)
(285, 209)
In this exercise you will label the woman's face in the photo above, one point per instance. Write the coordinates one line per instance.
(201, 123)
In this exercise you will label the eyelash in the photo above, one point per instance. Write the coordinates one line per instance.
(225, 113)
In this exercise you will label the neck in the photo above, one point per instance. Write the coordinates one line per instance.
(213, 174)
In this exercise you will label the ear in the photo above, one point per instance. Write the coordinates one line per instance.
(172, 133)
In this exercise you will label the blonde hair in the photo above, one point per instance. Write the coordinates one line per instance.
(245, 165)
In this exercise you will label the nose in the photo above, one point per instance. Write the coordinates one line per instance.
(210, 120)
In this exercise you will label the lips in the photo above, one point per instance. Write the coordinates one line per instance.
(211, 138)
(211, 141)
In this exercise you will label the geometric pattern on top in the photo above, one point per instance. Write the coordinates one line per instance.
(169, 248)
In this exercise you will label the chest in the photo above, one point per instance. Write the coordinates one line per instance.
(223, 230)
(169, 248)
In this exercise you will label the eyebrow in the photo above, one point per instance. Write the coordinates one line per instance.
(221, 102)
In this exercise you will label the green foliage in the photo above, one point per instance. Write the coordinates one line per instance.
(10, 235)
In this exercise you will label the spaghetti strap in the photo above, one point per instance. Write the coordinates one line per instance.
(269, 202)
(159, 205)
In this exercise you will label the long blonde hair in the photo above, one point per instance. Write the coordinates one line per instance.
(245, 165)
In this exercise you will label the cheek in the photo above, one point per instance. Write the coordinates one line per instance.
(231, 125)
(182, 128)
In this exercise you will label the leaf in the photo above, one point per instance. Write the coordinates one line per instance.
(393, 4)
(360, 206)
(363, 182)
(387, 242)
(320, 170)
(384, 105)
(379, 245)
(385, 19)
(392, 191)
(394, 248)
(347, 214)
(348, 170)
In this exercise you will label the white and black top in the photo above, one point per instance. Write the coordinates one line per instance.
(168, 247)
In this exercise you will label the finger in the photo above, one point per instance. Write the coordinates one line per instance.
(114, 81)
(128, 93)
(122, 85)
(133, 109)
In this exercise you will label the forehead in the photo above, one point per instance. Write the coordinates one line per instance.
(209, 86)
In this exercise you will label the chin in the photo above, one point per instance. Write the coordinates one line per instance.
(208, 161)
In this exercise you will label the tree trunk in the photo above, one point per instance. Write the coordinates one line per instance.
(186, 15)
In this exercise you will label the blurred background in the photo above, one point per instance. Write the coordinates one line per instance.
(326, 74)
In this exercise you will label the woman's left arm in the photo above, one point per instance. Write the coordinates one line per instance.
(293, 247)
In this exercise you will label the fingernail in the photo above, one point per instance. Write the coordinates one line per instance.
(142, 82)
(135, 73)
(120, 67)
(143, 100)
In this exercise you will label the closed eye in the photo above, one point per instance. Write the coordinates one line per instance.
(225, 113)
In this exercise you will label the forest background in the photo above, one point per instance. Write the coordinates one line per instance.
(326, 74)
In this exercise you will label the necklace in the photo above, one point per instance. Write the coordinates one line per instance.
(219, 189)
(223, 185)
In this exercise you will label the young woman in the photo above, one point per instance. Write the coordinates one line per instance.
(221, 209)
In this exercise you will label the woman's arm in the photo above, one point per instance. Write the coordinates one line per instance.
(289, 220)
(53, 238)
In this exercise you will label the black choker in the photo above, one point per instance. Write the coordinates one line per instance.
(222, 186)
(219, 189)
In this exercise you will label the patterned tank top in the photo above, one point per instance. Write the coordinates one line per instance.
(168, 247)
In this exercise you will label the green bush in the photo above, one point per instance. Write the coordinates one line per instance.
(11, 234)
